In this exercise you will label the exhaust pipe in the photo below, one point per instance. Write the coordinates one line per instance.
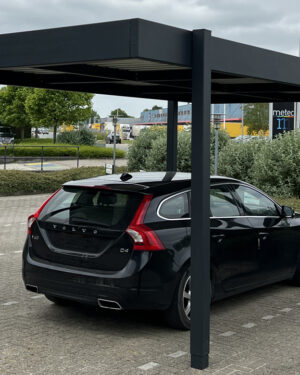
(108, 304)
(32, 288)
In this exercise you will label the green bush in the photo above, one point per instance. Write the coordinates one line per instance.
(23, 182)
(138, 150)
(149, 150)
(101, 136)
(80, 137)
(276, 168)
(35, 141)
(86, 152)
(157, 155)
(223, 140)
(273, 166)
(236, 159)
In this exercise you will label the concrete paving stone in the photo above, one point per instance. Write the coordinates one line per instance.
(38, 337)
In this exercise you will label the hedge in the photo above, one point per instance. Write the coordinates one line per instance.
(149, 150)
(139, 149)
(86, 152)
(273, 166)
(23, 182)
(79, 137)
(35, 141)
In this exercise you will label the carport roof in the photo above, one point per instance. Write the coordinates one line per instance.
(145, 59)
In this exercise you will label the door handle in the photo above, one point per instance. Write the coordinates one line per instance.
(263, 235)
(218, 237)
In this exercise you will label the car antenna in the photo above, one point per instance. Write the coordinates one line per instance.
(125, 176)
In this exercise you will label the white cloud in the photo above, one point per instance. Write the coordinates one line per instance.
(269, 24)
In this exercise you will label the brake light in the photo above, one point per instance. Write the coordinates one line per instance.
(144, 238)
(34, 217)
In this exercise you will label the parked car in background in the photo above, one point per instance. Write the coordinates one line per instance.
(45, 131)
(247, 138)
(110, 137)
(124, 242)
(7, 135)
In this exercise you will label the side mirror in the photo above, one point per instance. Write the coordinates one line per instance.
(287, 211)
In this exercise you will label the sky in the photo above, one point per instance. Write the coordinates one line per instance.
(269, 24)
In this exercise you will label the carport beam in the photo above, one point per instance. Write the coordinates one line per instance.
(200, 259)
(172, 136)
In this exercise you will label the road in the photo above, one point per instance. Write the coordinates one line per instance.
(254, 333)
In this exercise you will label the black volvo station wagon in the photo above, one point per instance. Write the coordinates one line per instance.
(123, 242)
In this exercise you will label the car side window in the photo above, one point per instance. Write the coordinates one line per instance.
(222, 203)
(176, 207)
(255, 203)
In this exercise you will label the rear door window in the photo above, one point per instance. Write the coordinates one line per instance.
(88, 206)
(222, 203)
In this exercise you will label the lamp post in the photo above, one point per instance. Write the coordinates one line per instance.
(217, 125)
(115, 120)
(242, 122)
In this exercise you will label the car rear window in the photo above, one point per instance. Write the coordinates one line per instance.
(90, 206)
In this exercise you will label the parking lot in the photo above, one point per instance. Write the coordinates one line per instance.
(254, 333)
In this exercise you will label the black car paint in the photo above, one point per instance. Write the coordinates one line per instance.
(244, 253)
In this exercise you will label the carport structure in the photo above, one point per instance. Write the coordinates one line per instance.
(144, 59)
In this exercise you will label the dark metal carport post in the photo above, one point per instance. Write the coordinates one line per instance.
(200, 263)
(172, 136)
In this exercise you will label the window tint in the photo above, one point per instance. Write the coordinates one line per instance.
(91, 206)
(175, 207)
(255, 203)
(222, 203)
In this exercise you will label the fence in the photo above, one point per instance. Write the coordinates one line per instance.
(9, 154)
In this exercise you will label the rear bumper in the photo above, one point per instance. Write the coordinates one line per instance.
(130, 291)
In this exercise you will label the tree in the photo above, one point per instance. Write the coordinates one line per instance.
(13, 109)
(54, 108)
(256, 117)
(155, 107)
(95, 116)
(119, 113)
(146, 110)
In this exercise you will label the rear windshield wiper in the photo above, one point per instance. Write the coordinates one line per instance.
(71, 208)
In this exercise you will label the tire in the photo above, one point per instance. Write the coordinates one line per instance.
(178, 314)
(57, 300)
(296, 278)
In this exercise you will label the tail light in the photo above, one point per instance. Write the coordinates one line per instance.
(144, 238)
(34, 217)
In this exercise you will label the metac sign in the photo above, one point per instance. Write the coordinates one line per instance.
(283, 117)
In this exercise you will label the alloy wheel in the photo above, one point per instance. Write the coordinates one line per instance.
(186, 300)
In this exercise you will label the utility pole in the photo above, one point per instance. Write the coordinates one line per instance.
(115, 121)
(242, 122)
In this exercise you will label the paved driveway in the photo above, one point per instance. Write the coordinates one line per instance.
(255, 333)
